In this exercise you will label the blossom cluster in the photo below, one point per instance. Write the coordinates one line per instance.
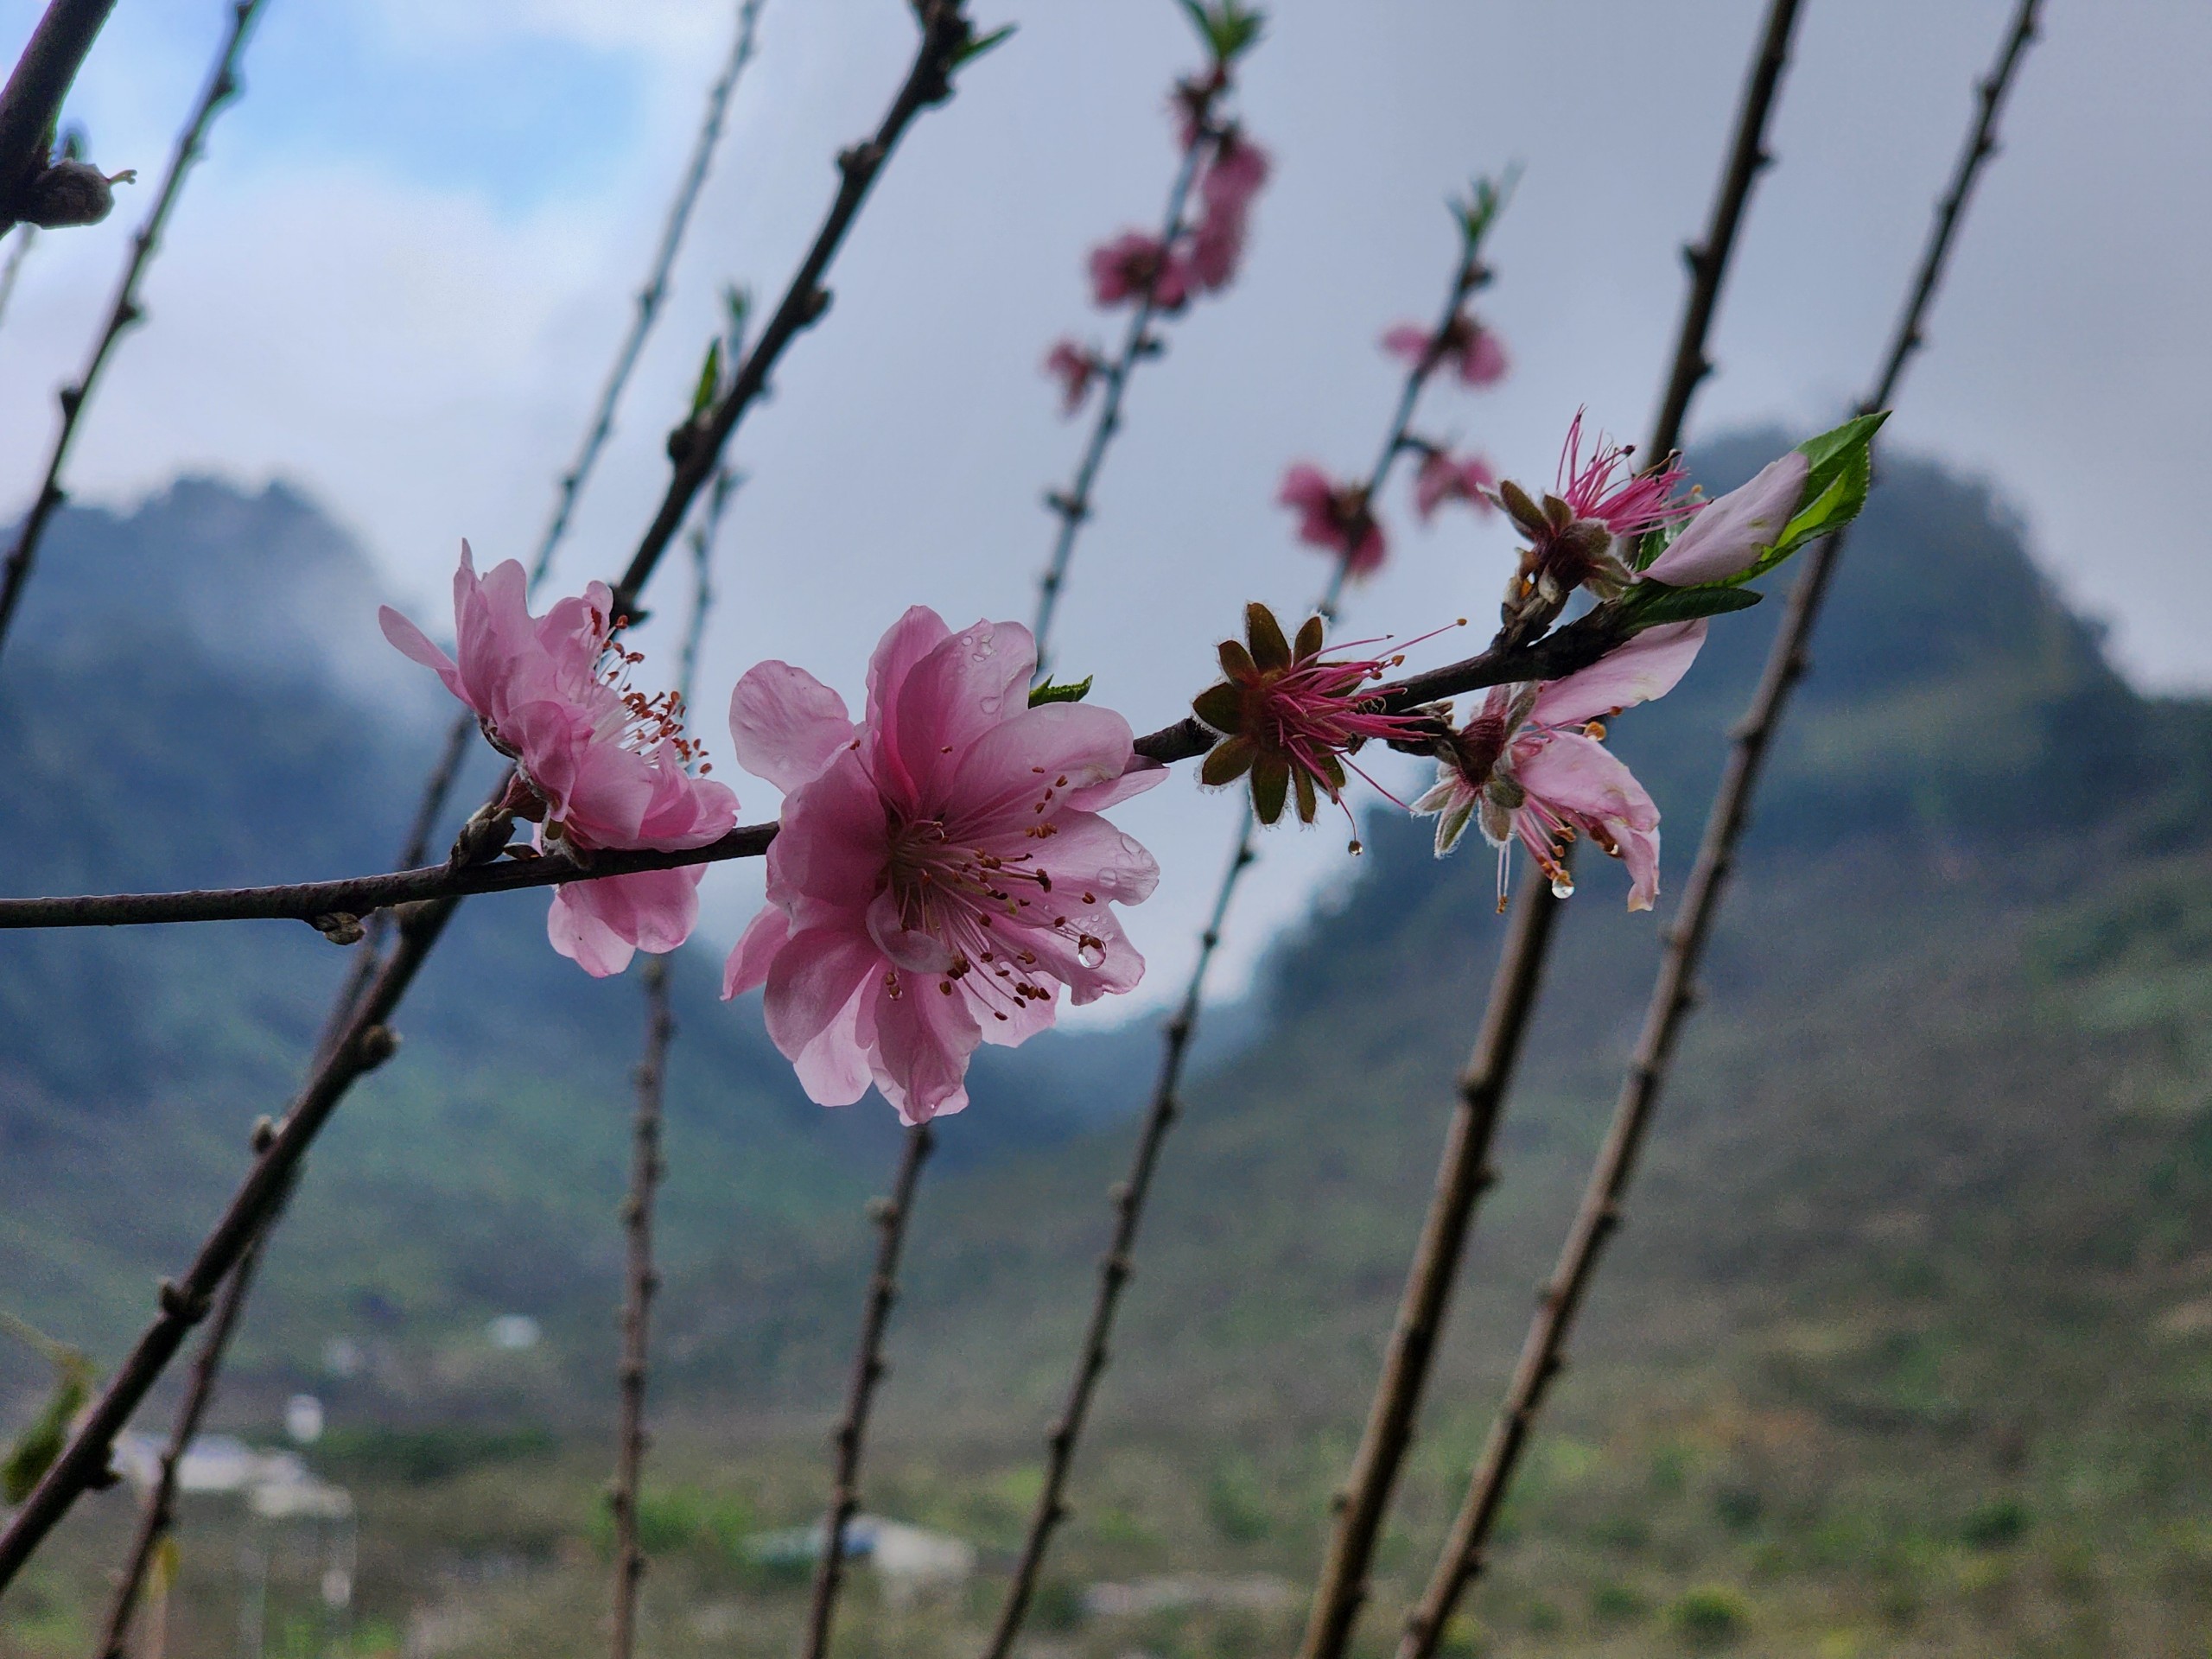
(944, 869)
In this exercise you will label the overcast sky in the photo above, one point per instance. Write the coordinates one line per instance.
(397, 277)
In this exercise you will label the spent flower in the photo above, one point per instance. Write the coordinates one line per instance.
(1473, 349)
(1337, 516)
(1531, 766)
(1443, 477)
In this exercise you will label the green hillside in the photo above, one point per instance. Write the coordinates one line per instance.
(1906, 1348)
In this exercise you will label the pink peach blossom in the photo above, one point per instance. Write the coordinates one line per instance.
(1441, 478)
(1122, 269)
(603, 766)
(1473, 349)
(1238, 170)
(1579, 534)
(1334, 516)
(1075, 366)
(943, 871)
(1531, 767)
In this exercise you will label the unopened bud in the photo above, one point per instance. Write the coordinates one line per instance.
(70, 193)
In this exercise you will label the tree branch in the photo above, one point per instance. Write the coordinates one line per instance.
(1128, 1195)
(1464, 1172)
(30, 104)
(222, 87)
(639, 1282)
(363, 1041)
(1672, 992)
(891, 1216)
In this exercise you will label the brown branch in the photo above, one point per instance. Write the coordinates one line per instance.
(365, 1041)
(1128, 1195)
(891, 1216)
(1072, 504)
(1708, 260)
(159, 1513)
(945, 34)
(365, 1044)
(1542, 1353)
(30, 104)
(335, 905)
(640, 1283)
(222, 87)
(1464, 1174)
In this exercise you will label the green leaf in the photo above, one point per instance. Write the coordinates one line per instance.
(35, 1449)
(1839, 472)
(1486, 199)
(979, 45)
(710, 380)
(1649, 604)
(1074, 691)
(737, 306)
(1228, 30)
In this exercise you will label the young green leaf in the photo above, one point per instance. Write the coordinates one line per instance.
(979, 45)
(710, 380)
(1074, 691)
(1649, 604)
(1840, 472)
(35, 1449)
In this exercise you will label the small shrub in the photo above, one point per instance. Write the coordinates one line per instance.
(1617, 1603)
(1739, 1507)
(1710, 1616)
(1996, 1524)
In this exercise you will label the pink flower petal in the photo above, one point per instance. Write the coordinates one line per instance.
(787, 725)
(1647, 666)
(748, 965)
(813, 987)
(923, 1041)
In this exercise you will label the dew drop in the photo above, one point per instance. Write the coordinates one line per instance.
(1090, 953)
(1561, 888)
(990, 705)
(1355, 848)
(1130, 846)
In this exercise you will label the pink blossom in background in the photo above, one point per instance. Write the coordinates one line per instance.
(1122, 269)
(1531, 767)
(1334, 516)
(943, 871)
(1441, 478)
(1726, 538)
(1238, 171)
(609, 767)
(1075, 367)
(1475, 353)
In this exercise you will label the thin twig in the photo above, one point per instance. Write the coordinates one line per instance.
(334, 904)
(891, 1216)
(1128, 1195)
(1542, 1353)
(640, 1283)
(646, 1165)
(1072, 504)
(365, 1041)
(13, 269)
(222, 87)
(159, 1513)
(30, 104)
(1464, 1172)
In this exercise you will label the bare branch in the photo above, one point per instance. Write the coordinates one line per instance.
(30, 104)
(1464, 1172)
(891, 1216)
(1672, 992)
(222, 87)
(365, 1041)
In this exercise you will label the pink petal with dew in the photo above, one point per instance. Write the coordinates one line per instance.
(1647, 666)
(816, 986)
(1143, 774)
(907, 948)
(748, 965)
(1089, 855)
(1726, 538)
(966, 686)
(1640, 852)
(683, 810)
(1571, 774)
(785, 726)
(1004, 772)
(912, 637)
(923, 1041)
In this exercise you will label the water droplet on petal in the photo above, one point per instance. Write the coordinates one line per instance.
(1090, 954)
(1562, 887)
(1132, 847)
(990, 705)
